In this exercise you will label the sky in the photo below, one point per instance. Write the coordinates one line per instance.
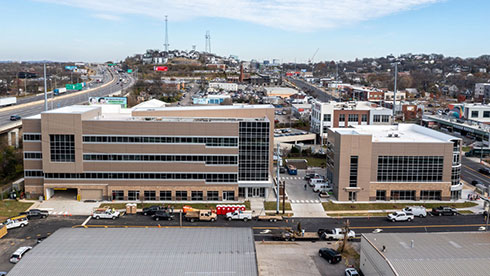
(288, 30)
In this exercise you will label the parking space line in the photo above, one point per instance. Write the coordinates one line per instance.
(87, 220)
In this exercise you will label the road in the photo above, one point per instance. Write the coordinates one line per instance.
(312, 90)
(469, 172)
(29, 109)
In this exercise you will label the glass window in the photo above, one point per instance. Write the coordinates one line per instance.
(474, 114)
(352, 196)
(402, 195)
(228, 195)
(118, 195)
(364, 118)
(133, 195)
(354, 164)
(380, 194)
(342, 118)
(410, 168)
(150, 195)
(353, 118)
(486, 114)
(430, 195)
(62, 147)
(327, 117)
(377, 118)
(181, 195)
(197, 195)
(165, 195)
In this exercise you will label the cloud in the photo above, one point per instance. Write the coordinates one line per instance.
(300, 15)
(105, 16)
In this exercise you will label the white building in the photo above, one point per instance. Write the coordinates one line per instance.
(400, 96)
(301, 111)
(477, 112)
(224, 86)
(345, 114)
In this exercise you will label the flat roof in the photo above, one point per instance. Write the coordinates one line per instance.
(142, 251)
(401, 133)
(208, 107)
(73, 109)
(454, 253)
(355, 105)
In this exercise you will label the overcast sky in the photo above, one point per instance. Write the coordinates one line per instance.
(289, 30)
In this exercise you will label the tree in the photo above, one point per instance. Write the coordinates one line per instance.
(346, 230)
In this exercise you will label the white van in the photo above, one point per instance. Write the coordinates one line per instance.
(315, 181)
(417, 211)
(322, 187)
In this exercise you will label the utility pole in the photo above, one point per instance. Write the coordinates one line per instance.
(278, 177)
(166, 34)
(208, 42)
(283, 197)
(45, 90)
(394, 91)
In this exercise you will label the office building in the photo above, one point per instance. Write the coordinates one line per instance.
(477, 112)
(326, 115)
(393, 162)
(209, 153)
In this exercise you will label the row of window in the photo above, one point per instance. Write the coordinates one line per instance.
(409, 195)
(208, 141)
(167, 195)
(32, 137)
(208, 177)
(410, 168)
(208, 159)
(381, 118)
(354, 165)
(254, 152)
(62, 147)
(475, 113)
(33, 155)
(353, 118)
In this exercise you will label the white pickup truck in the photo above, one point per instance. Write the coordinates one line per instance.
(239, 215)
(400, 216)
(335, 234)
(105, 214)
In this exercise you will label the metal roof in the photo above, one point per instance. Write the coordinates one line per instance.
(142, 251)
(458, 254)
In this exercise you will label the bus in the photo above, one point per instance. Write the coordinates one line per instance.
(292, 170)
(476, 152)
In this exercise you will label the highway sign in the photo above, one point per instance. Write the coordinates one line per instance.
(122, 101)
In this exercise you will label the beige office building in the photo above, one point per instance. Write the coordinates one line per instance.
(393, 162)
(208, 153)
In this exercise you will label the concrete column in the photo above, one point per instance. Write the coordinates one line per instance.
(10, 134)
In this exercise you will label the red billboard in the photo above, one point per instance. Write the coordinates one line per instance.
(160, 68)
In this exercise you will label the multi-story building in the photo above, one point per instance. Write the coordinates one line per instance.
(477, 112)
(345, 114)
(226, 86)
(393, 162)
(209, 153)
(482, 91)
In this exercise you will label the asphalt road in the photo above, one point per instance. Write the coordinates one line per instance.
(469, 172)
(75, 98)
(312, 90)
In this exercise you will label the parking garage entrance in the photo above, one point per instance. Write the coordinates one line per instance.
(61, 193)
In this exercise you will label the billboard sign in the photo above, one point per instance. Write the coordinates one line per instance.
(70, 68)
(130, 70)
(122, 101)
(160, 68)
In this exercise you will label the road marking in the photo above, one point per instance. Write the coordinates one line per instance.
(85, 222)
(415, 226)
(174, 226)
(478, 173)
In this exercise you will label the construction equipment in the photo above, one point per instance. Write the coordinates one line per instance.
(310, 61)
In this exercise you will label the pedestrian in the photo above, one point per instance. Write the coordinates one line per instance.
(305, 187)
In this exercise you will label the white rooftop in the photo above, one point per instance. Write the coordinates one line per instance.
(209, 107)
(401, 133)
(151, 103)
(354, 105)
(73, 109)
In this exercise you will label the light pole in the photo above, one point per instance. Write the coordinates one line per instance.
(278, 178)
(45, 90)
(394, 91)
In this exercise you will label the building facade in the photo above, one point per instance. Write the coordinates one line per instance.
(345, 114)
(402, 162)
(211, 153)
(477, 112)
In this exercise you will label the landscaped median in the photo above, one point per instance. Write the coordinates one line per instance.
(272, 205)
(177, 206)
(11, 208)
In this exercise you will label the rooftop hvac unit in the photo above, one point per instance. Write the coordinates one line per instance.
(390, 135)
(396, 134)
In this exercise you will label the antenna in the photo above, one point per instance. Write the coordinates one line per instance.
(208, 42)
(166, 34)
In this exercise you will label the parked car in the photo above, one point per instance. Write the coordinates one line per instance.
(400, 216)
(19, 221)
(485, 171)
(313, 181)
(162, 215)
(148, 211)
(475, 182)
(105, 213)
(417, 211)
(35, 213)
(444, 211)
(309, 175)
(282, 170)
(351, 272)
(330, 255)
(15, 117)
(19, 253)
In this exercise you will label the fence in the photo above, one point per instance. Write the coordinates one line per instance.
(6, 189)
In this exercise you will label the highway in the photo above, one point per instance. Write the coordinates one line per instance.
(469, 172)
(31, 107)
(312, 90)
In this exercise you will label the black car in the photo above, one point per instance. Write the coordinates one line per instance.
(475, 182)
(162, 215)
(282, 170)
(35, 213)
(330, 255)
(151, 210)
(15, 117)
(485, 171)
(444, 211)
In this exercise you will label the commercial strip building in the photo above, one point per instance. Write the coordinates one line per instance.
(142, 251)
(332, 114)
(209, 153)
(415, 254)
(393, 162)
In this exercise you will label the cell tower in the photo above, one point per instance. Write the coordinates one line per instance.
(208, 42)
(166, 34)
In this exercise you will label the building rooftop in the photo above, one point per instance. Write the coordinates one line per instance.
(208, 107)
(355, 105)
(435, 253)
(401, 133)
(142, 251)
(73, 109)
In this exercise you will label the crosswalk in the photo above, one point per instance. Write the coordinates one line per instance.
(292, 177)
(305, 201)
(58, 213)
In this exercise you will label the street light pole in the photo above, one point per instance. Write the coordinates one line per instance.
(45, 90)
(278, 178)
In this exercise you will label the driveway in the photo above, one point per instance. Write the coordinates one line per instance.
(304, 202)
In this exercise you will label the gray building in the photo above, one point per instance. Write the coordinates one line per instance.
(417, 254)
(142, 251)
